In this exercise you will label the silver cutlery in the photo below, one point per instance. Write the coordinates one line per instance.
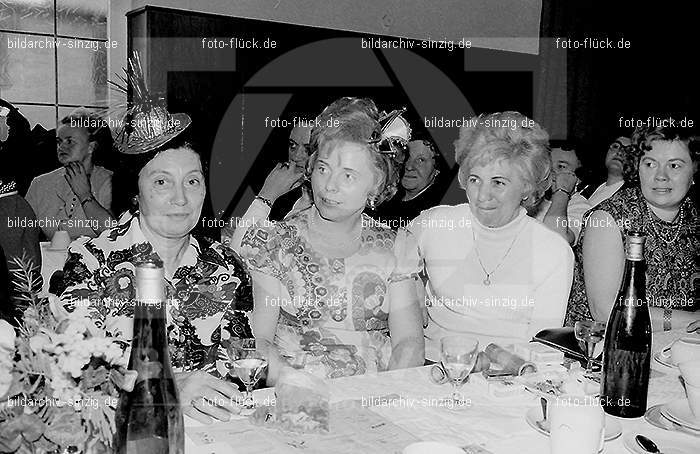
(543, 424)
(647, 444)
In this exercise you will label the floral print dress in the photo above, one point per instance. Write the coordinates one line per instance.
(334, 312)
(671, 252)
(208, 298)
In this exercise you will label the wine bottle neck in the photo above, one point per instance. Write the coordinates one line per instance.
(633, 289)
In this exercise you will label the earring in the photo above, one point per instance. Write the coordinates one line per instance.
(372, 203)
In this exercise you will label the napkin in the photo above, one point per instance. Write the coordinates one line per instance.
(302, 403)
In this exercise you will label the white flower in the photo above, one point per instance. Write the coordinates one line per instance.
(37, 342)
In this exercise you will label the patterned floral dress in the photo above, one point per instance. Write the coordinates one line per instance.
(335, 313)
(671, 252)
(208, 298)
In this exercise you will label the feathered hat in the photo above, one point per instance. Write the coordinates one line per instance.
(145, 123)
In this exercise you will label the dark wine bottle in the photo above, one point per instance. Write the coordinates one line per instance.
(149, 418)
(627, 348)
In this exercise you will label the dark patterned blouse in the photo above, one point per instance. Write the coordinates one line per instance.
(334, 312)
(208, 298)
(671, 251)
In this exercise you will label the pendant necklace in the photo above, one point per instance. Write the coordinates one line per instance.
(487, 281)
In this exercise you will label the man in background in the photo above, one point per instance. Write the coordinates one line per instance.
(563, 208)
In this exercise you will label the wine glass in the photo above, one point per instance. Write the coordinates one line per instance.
(458, 354)
(248, 363)
(589, 332)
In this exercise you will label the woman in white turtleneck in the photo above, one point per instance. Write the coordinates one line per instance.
(493, 272)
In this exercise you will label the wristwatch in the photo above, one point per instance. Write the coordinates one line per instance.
(568, 194)
(83, 202)
(264, 200)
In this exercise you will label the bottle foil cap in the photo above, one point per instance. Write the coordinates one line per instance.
(635, 246)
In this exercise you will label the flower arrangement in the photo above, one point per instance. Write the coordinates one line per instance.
(59, 377)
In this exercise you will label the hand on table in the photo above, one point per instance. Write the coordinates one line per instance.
(78, 180)
(204, 396)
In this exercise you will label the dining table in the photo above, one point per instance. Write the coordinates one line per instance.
(415, 409)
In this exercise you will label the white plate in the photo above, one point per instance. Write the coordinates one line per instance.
(664, 360)
(613, 429)
(668, 444)
(655, 418)
(679, 412)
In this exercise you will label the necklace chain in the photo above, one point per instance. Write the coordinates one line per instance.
(487, 281)
(658, 231)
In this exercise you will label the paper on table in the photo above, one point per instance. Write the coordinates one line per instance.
(348, 419)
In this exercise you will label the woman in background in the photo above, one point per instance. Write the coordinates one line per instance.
(420, 185)
(78, 196)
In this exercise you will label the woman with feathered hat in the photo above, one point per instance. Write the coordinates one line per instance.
(208, 289)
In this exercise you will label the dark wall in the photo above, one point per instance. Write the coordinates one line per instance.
(654, 76)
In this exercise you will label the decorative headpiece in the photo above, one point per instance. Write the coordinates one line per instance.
(394, 134)
(146, 123)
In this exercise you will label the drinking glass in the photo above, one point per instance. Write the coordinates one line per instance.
(589, 332)
(248, 363)
(458, 354)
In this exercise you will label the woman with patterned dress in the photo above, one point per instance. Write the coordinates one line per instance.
(207, 287)
(656, 200)
(326, 294)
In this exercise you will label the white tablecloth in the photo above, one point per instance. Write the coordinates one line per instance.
(497, 424)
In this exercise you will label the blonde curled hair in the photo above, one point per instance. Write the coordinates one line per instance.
(355, 120)
(511, 136)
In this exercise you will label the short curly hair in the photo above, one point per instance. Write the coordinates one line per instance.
(511, 136)
(355, 120)
(642, 139)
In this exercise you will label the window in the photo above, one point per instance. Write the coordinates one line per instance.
(53, 56)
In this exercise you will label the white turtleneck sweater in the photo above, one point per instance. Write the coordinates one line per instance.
(528, 291)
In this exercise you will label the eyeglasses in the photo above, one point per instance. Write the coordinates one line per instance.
(293, 146)
(617, 145)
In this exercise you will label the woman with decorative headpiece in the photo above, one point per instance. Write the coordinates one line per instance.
(208, 289)
(656, 199)
(494, 273)
(325, 293)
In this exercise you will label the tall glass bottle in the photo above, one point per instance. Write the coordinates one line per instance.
(149, 418)
(627, 350)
